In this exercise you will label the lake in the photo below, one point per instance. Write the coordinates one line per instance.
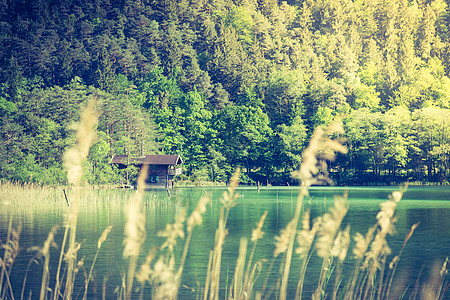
(39, 212)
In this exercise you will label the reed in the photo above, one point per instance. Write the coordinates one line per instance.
(145, 271)
(195, 219)
(11, 250)
(437, 285)
(134, 230)
(359, 252)
(101, 240)
(339, 250)
(228, 201)
(250, 271)
(322, 147)
(164, 276)
(305, 240)
(329, 243)
(236, 291)
(393, 265)
(45, 252)
(379, 249)
(73, 161)
(244, 276)
(8, 281)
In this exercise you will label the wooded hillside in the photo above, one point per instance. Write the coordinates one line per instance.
(227, 83)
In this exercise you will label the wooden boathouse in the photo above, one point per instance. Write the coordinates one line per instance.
(161, 168)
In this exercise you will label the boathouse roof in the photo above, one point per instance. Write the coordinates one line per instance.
(147, 160)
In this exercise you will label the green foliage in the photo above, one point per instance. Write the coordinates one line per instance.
(226, 84)
(7, 107)
(397, 145)
(242, 19)
(244, 132)
(283, 97)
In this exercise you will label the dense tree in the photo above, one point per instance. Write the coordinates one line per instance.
(432, 136)
(226, 84)
(229, 63)
(245, 132)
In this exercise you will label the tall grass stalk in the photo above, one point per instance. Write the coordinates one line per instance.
(221, 233)
(101, 240)
(194, 219)
(359, 252)
(366, 281)
(134, 230)
(208, 275)
(393, 265)
(379, 249)
(5, 258)
(281, 246)
(321, 147)
(8, 282)
(254, 274)
(305, 240)
(73, 161)
(45, 252)
(436, 287)
(236, 291)
(328, 241)
(58, 269)
(144, 273)
(163, 276)
(290, 247)
(11, 250)
(228, 201)
(340, 248)
(257, 234)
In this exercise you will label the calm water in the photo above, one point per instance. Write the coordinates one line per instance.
(430, 243)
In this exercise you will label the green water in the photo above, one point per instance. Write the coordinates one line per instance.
(427, 205)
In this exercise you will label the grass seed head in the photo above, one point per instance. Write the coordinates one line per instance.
(103, 237)
(229, 196)
(257, 233)
(164, 279)
(378, 248)
(11, 247)
(362, 243)
(145, 270)
(341, 243)
(196, 216)
(322, 147)
(50, 241)
(330, 224)
(305, 237)
(86, 134)
(173, 231)
(283, 239)
(444, 268)
(72, 252)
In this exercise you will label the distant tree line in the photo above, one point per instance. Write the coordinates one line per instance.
(226, 84)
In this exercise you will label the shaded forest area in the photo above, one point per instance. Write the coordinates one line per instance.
(227, 83)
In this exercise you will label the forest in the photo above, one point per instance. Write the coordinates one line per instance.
(227, 84)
